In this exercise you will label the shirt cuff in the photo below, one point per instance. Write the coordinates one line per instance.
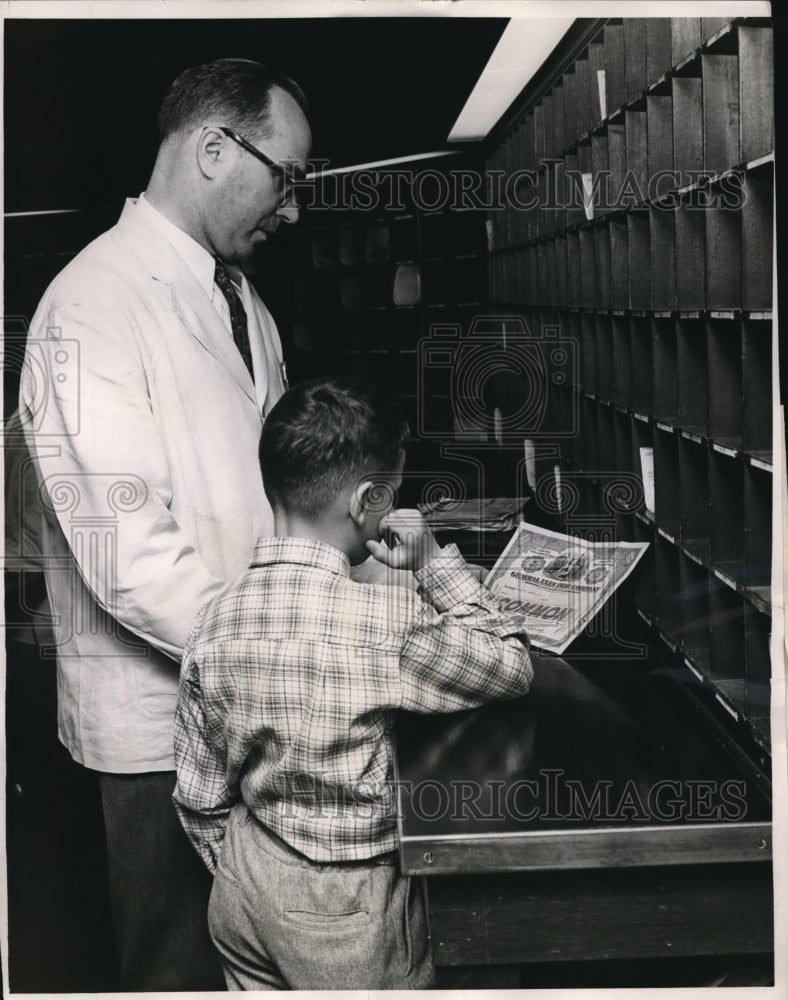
(446, 580)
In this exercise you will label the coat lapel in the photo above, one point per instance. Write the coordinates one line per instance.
(266, 349)
(188, 299)
(208, 328)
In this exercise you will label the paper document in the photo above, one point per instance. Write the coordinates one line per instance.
(588, 195)
(601, 84)
(647, 470)
(559, 582)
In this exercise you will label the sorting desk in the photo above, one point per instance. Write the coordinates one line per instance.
(544, 872)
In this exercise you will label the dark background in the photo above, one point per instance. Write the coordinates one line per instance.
(81, 97)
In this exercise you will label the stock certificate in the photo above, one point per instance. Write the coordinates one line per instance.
(559, 582)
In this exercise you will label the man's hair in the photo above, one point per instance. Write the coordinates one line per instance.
(324, 434)
(232, 92)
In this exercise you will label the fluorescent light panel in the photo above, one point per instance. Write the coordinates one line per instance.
(47, 211)
(521, 50)
(380, 163)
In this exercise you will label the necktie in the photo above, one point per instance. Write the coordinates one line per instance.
(237, 314)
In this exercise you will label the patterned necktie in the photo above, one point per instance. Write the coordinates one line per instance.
(237, 314)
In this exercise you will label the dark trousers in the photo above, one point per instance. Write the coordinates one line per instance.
(60, 936)
(159, 888)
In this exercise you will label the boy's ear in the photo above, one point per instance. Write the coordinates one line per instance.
(359, 501)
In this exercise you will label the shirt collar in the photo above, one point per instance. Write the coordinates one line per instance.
(196, 257)
(303, 551)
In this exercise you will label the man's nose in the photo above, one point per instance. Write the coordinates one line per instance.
(289, 211)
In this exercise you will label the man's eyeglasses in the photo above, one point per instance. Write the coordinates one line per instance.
(285, 176)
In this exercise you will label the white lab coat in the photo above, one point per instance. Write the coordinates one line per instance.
(144, 423)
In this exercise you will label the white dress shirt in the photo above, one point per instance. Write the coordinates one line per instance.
(197, 259)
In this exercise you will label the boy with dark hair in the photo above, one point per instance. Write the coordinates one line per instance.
(288, 687)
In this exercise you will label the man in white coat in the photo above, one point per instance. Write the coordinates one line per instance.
(143, 395)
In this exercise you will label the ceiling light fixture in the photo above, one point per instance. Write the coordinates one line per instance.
(522, 48)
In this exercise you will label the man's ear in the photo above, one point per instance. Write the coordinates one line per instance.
(359, 501)
(211, 151)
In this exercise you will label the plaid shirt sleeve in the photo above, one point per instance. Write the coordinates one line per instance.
(202, 798)
(460, 650)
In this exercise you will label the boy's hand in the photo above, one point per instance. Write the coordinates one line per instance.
(411, 543)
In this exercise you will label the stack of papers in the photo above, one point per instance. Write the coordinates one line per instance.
(496, 514)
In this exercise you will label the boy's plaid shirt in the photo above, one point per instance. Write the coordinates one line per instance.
(290, 679)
